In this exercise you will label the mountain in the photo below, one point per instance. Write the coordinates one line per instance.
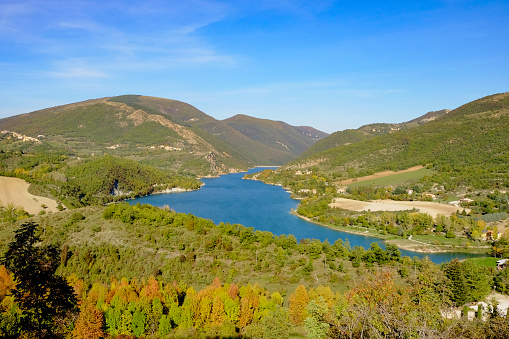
(466, 147)
(350, 136)
(276, 134)
(160, 132)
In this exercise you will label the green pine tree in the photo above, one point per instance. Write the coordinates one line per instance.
(40, 293)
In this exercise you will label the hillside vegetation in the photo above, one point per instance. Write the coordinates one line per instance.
(466, 147)
(75, 181)
(277, 134)
(350, 136)
(165, 133)
(141, 271)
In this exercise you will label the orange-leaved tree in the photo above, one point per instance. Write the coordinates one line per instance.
(89, 324)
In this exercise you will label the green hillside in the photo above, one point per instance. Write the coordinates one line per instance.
(108, 179)
(334, 140)
(466, 147)
(221, 135)
(276, 134)
(350, 136)
(164, 133)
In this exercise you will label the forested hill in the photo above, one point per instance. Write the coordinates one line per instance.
(164, 133)
(276, 134)
(350, 136)
(468, 146)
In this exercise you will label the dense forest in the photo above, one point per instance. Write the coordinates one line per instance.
(75, 181)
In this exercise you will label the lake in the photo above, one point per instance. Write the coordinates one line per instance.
(232, 199)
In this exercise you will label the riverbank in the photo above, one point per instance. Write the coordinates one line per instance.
(407, 244)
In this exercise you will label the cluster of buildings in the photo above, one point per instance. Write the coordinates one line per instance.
(22, 137)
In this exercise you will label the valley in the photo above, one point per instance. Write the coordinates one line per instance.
(429, 185)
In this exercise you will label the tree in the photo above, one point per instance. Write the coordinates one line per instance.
(89, 324)
(42, 295)
(315, 323)
(139, 322)
(459, 288)
(298, 303)
(6, 282)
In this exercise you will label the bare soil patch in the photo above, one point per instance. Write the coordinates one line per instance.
(432, 208)
(15, 191)
(379, 175)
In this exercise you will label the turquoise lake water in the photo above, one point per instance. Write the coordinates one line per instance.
(232, 199)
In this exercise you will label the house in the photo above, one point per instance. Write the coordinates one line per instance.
(488, 235)
(502, 263)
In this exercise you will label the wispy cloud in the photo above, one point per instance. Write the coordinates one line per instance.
(77, 73)
(141, 34)
(333, 87)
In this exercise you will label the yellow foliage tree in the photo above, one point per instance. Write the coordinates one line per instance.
(298, 302)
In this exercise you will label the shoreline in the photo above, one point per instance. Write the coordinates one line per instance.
(174, 190)
(404, 244)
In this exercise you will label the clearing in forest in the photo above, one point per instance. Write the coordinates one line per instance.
(388, 177)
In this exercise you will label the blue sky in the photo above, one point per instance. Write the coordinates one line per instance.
(332, 65)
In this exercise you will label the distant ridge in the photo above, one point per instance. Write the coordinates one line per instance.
(466, 147)
(160, 132)
(349, 136)
(276, 134)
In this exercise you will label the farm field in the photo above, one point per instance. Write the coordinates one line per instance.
(388, 178)
(390, 205)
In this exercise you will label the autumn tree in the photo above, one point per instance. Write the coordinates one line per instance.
(248, 305)
(6, 282)
(298, 302)
(90, 323)
(42, 295)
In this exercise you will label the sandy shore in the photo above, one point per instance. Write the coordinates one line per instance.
(15, 191)
(432, 208)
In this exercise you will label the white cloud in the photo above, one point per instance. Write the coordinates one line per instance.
(78, 73)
